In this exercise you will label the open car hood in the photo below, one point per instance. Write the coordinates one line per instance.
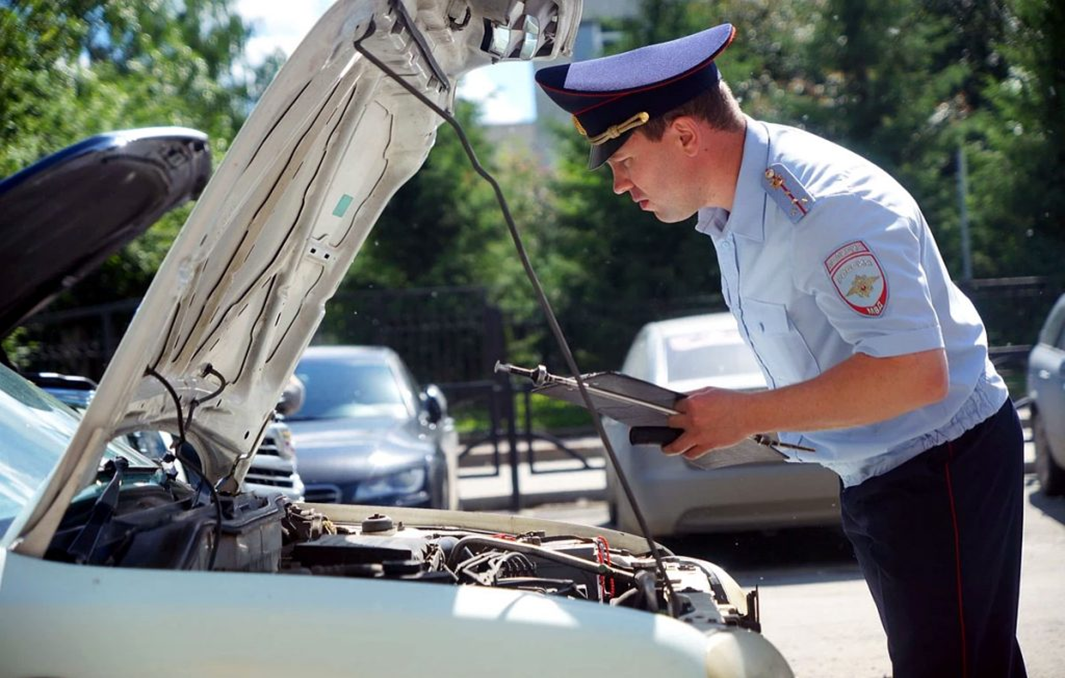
(62, 216)
(244, 286)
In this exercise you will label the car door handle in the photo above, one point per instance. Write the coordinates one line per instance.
(1044, 374)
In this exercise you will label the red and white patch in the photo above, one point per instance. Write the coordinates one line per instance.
(858, 278)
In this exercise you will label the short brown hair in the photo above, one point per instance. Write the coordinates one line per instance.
(717, 107)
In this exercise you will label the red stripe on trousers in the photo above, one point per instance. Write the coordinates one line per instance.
(957, 560)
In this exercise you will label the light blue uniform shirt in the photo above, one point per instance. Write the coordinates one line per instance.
(825, 255)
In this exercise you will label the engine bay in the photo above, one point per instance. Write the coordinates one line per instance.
(170, 526)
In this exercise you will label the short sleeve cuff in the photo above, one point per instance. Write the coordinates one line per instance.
(903, 343)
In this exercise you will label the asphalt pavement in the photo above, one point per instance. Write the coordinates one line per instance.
(554, 477)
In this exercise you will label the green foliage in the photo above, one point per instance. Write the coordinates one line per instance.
(73, 68)
(436, 222)
(444, 228)
(904, 82)
(888, 84)
(1017, 146)
(546, 414)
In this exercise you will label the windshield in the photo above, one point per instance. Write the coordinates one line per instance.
(34, 431)
(336, 389)
(705, 355)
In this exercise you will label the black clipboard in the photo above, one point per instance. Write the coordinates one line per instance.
(644, 407)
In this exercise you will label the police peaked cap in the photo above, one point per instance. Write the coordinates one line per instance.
(612, 96)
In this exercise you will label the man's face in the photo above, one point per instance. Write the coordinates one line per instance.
(656, 176)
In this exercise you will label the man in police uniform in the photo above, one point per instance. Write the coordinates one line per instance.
(874, 358)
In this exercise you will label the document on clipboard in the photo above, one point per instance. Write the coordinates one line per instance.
(645, 408)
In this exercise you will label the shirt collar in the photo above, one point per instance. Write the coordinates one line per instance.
(748, 205)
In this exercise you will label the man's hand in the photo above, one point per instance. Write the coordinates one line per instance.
(711, 419)
(860, 390)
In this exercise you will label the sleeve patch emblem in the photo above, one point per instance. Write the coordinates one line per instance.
(857, 276)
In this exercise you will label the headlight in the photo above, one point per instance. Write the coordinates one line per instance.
(408, 481)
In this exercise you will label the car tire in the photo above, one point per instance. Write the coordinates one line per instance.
(1051, 476)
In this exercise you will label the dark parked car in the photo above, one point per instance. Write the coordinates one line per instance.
(76, 392)
(1046, 387)
(367, 434)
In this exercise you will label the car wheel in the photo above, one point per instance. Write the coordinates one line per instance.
(1051, 476)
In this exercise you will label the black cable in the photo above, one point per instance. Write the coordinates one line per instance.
(177, 402)
(545, 553)
(545, 305)
(180, 442)
(196, 402)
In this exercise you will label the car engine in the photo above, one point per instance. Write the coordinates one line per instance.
(163, 526)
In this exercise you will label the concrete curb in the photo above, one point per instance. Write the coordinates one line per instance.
(558, 481)
(531, 500)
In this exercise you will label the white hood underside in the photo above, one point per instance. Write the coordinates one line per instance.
(244, 286)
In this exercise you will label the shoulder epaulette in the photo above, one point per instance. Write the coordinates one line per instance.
(787, 192)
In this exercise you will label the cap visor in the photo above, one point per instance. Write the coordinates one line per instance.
(601, 153)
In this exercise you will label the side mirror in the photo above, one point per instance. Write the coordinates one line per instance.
(291, 397)
(435, 403)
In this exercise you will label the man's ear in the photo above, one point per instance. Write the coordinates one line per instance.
(686, 133)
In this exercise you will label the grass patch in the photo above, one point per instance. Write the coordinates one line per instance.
(547, 415)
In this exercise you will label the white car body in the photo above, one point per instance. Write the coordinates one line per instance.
(228, 315)
(273, 471)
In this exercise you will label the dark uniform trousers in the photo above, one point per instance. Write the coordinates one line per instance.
(939, 542)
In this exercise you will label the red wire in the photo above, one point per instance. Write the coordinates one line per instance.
(602, 555)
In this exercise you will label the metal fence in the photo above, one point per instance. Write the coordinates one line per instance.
(1013, 311)
(77, 341)
(454, 336)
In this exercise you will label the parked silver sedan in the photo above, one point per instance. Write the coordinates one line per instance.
(676, 496)
(1046, 388)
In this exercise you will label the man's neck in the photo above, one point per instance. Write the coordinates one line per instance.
(723, 166)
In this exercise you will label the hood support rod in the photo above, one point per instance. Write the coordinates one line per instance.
(672, 601)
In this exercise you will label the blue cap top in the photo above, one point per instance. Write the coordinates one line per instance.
(612, 96)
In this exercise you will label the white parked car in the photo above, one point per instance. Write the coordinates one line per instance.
(110, 567)
(679, 497)
(1046, 388)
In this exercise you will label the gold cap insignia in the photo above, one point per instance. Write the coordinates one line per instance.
(579, 126)
(614, 131)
